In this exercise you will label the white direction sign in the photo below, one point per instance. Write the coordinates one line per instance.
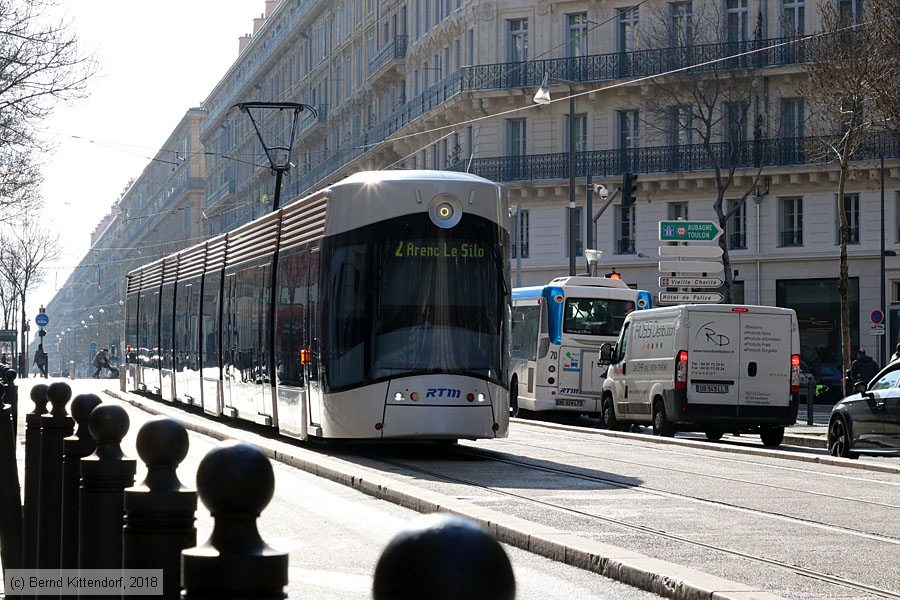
(876, 328)
(690, 266)
(693, 282)
(690, 297)
(691, 251)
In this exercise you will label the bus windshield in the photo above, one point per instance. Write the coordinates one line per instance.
(404, 297)
(595, 316)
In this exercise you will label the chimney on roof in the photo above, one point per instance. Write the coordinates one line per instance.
(243, 41)
(270, 7)
(258, 23)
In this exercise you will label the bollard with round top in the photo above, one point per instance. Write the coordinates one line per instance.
(75, 447)
(55, 426)
(10, 501)
(235, 481)
(104, 476)
(32, 475)
(443, 557)
(159, 513)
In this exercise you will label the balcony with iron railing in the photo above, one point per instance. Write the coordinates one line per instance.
(661, 159)
(772, 52)
(395, 50)
(309, 119)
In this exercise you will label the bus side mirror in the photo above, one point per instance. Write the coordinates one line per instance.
(606, 354)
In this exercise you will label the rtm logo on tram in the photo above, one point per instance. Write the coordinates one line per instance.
(442, 392)
(463, 250)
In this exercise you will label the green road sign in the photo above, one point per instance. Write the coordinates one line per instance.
(688, 231)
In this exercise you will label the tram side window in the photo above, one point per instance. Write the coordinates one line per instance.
(148, 331)
(167, 316)
(210, 316)
(525, 323)
(348, 333)
(291, 311)
(131, 328)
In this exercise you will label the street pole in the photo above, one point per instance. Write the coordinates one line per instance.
(572, 228)
(882, 350)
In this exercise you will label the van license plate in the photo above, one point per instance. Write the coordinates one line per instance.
(710, 388)
(569, 402)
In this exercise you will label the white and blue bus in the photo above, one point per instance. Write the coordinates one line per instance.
(557, 330)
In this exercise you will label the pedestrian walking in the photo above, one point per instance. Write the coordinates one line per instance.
(40, 360)
(100, 362)
(863, 368)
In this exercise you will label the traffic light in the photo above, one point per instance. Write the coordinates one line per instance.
(629, 187)
(614, 275)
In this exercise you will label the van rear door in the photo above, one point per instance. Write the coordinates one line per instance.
(765, 375)
(714, 360)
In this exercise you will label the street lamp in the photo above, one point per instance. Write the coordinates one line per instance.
(543, 97)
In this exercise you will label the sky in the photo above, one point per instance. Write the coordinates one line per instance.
(156, 60)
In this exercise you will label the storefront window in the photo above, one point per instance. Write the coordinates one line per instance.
(818, 308)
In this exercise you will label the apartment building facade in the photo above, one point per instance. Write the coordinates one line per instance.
(448, 84)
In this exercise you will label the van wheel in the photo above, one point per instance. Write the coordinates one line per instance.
(661, 425)
(713, 435)
(514, 399)
(609, 415)
(771, 436)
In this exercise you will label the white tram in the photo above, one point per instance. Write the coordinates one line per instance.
(376, 308)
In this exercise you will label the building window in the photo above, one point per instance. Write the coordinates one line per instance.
(470, 141)
(850, 11)
(417, 18)
(580, 133)
(517, 40)
(626, 40)
(735, 122)
(793, 17)
(624, 229)
(515, 137)
(576, 35)
(790, 223)
(737, 225)
(681, 126)
(736, 21)
(897, 216)
(470, 47)
(628, 129)
(579, 236)
(851, 211)
(792, 117)
(682, 24)
(678, 210)
(521, 241)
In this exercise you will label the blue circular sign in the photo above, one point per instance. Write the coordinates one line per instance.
(93, 345)
(42, 320)
(877, 316)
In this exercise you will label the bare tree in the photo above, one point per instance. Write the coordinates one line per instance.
(704, 113)
(27, 247)
(40, 65)
(884, 17)
(840, 85)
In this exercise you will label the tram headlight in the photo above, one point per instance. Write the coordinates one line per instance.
(445, 210)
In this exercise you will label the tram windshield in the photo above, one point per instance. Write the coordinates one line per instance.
(595, 316)
(404, 297)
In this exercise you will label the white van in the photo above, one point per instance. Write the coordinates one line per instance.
(716, 368)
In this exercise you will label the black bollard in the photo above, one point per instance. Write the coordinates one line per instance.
(159, 513)
(443, 557)
(10, 500)
(75, 447)
(32, 475)
(104, 476)
(235, 481)
(55, 426)
(11, 397)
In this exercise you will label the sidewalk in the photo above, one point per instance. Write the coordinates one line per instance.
(806, 435)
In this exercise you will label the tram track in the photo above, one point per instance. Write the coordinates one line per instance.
(645, 529)
(719, 477)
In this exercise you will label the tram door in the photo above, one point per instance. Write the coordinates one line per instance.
(311, 337)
